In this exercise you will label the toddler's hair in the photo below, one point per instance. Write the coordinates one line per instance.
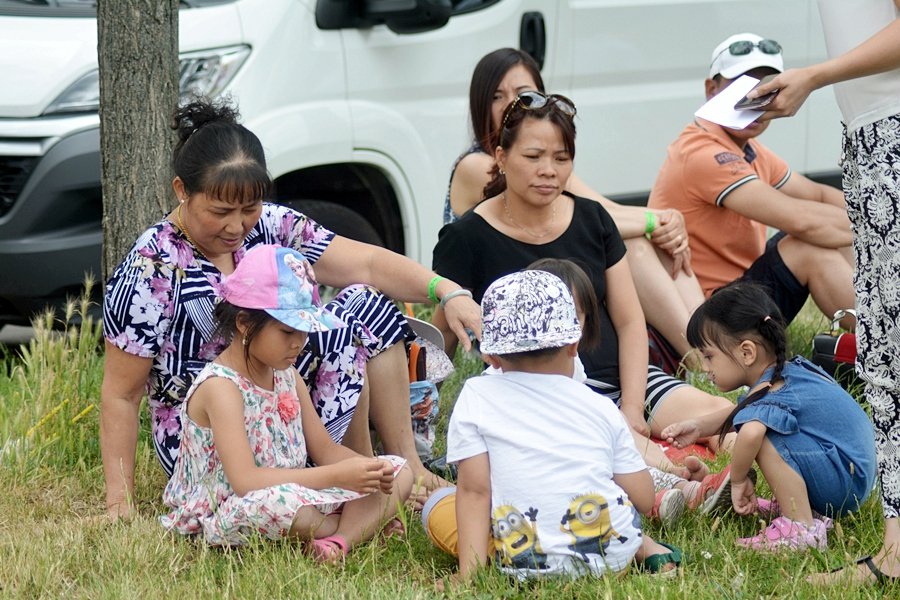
(577, 280)
(227, 316)
(736, 312)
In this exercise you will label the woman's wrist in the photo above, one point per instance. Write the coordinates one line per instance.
(454, 294)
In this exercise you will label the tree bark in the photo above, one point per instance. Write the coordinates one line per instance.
(137, 48)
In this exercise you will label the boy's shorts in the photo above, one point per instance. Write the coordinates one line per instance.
(439, 521)
(770, 271)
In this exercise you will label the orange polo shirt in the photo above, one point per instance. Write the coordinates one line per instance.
(702, 167)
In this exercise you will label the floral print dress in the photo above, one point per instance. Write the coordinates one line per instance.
(202, 500)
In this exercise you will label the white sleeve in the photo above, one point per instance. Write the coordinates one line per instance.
(464, 439)
(626, 458)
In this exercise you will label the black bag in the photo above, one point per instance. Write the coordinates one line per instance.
(835, 352)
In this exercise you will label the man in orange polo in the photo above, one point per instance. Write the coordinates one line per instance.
(730, 187)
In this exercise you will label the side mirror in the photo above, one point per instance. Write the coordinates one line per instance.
(401, 16)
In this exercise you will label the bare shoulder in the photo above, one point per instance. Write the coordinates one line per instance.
(471, 175)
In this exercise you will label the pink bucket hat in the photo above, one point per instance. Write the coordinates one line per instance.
(281, 282)
(528, 310)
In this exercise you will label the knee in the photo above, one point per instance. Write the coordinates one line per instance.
(639, 248)
(403, 482)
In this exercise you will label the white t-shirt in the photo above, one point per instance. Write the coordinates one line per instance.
(553, 447)
(847, 24)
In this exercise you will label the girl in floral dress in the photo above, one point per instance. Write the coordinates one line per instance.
(250, 429)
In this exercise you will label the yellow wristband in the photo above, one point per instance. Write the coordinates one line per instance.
(432, 289)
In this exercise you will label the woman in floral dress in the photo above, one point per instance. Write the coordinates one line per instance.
(158, 308)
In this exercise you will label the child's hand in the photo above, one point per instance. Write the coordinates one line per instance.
(681, 434)
(743, 497)
(360, 474)
(386, 483)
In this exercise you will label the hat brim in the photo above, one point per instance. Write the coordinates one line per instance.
(754, 61)
(310, 320)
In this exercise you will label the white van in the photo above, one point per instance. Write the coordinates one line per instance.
(361, 106)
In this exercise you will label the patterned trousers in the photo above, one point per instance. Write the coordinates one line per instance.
(871, 169)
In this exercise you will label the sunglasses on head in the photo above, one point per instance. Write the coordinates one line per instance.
(536, 100)
(744, 47)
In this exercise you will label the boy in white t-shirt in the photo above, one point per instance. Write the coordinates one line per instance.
(550, 481)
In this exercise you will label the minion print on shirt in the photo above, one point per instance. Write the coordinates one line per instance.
(517, 539)
(588, 523)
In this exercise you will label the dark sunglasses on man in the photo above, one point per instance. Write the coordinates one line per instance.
(744, 47)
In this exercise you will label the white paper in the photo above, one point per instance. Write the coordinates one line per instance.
(720, 109)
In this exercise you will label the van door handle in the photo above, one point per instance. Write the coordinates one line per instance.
(533, 37)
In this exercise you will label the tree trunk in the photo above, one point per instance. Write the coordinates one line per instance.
(137, 47)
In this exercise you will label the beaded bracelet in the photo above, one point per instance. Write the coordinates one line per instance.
(454, 294)
(432, 289)
(650, 225)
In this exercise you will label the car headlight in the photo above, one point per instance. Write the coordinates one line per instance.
(204, 72)
(207, 72)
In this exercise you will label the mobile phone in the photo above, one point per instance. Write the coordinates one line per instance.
(748, 104)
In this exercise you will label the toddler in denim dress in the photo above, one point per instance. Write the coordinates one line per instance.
(812, 441)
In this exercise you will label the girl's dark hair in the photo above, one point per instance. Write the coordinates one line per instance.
(507, 135)
(735, 312)
(488, 74)
(227, 316)
(577, 280)
(217, 156)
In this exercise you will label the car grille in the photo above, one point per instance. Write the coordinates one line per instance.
(14, 172)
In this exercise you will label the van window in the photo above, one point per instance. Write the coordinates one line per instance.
(467, 6)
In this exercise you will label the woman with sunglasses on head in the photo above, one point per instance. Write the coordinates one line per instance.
(159, 304)
(529, 214)
(660, 265)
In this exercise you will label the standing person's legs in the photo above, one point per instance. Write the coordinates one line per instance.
(872, 190)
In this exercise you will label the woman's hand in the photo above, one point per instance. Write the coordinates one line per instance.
(794, 87)
(462, 315)
(634, 416)
(360, 474)
(743, 496)
(671, 236)
(681, 434)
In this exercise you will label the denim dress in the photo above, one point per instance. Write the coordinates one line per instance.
(821, 432)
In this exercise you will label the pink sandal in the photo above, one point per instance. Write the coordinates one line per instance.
(329, 550)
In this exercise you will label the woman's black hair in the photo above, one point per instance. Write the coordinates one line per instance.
(227, 316)
(735, 312)
(486, 77)
(577, 280)
(508, 133)
(218, 156)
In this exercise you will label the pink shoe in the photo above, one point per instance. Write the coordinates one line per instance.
(785, 533)
(767, 509)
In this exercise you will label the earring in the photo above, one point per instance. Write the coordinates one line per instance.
(245, 340)
(502, 172)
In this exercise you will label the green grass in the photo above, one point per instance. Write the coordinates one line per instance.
(53, 544)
